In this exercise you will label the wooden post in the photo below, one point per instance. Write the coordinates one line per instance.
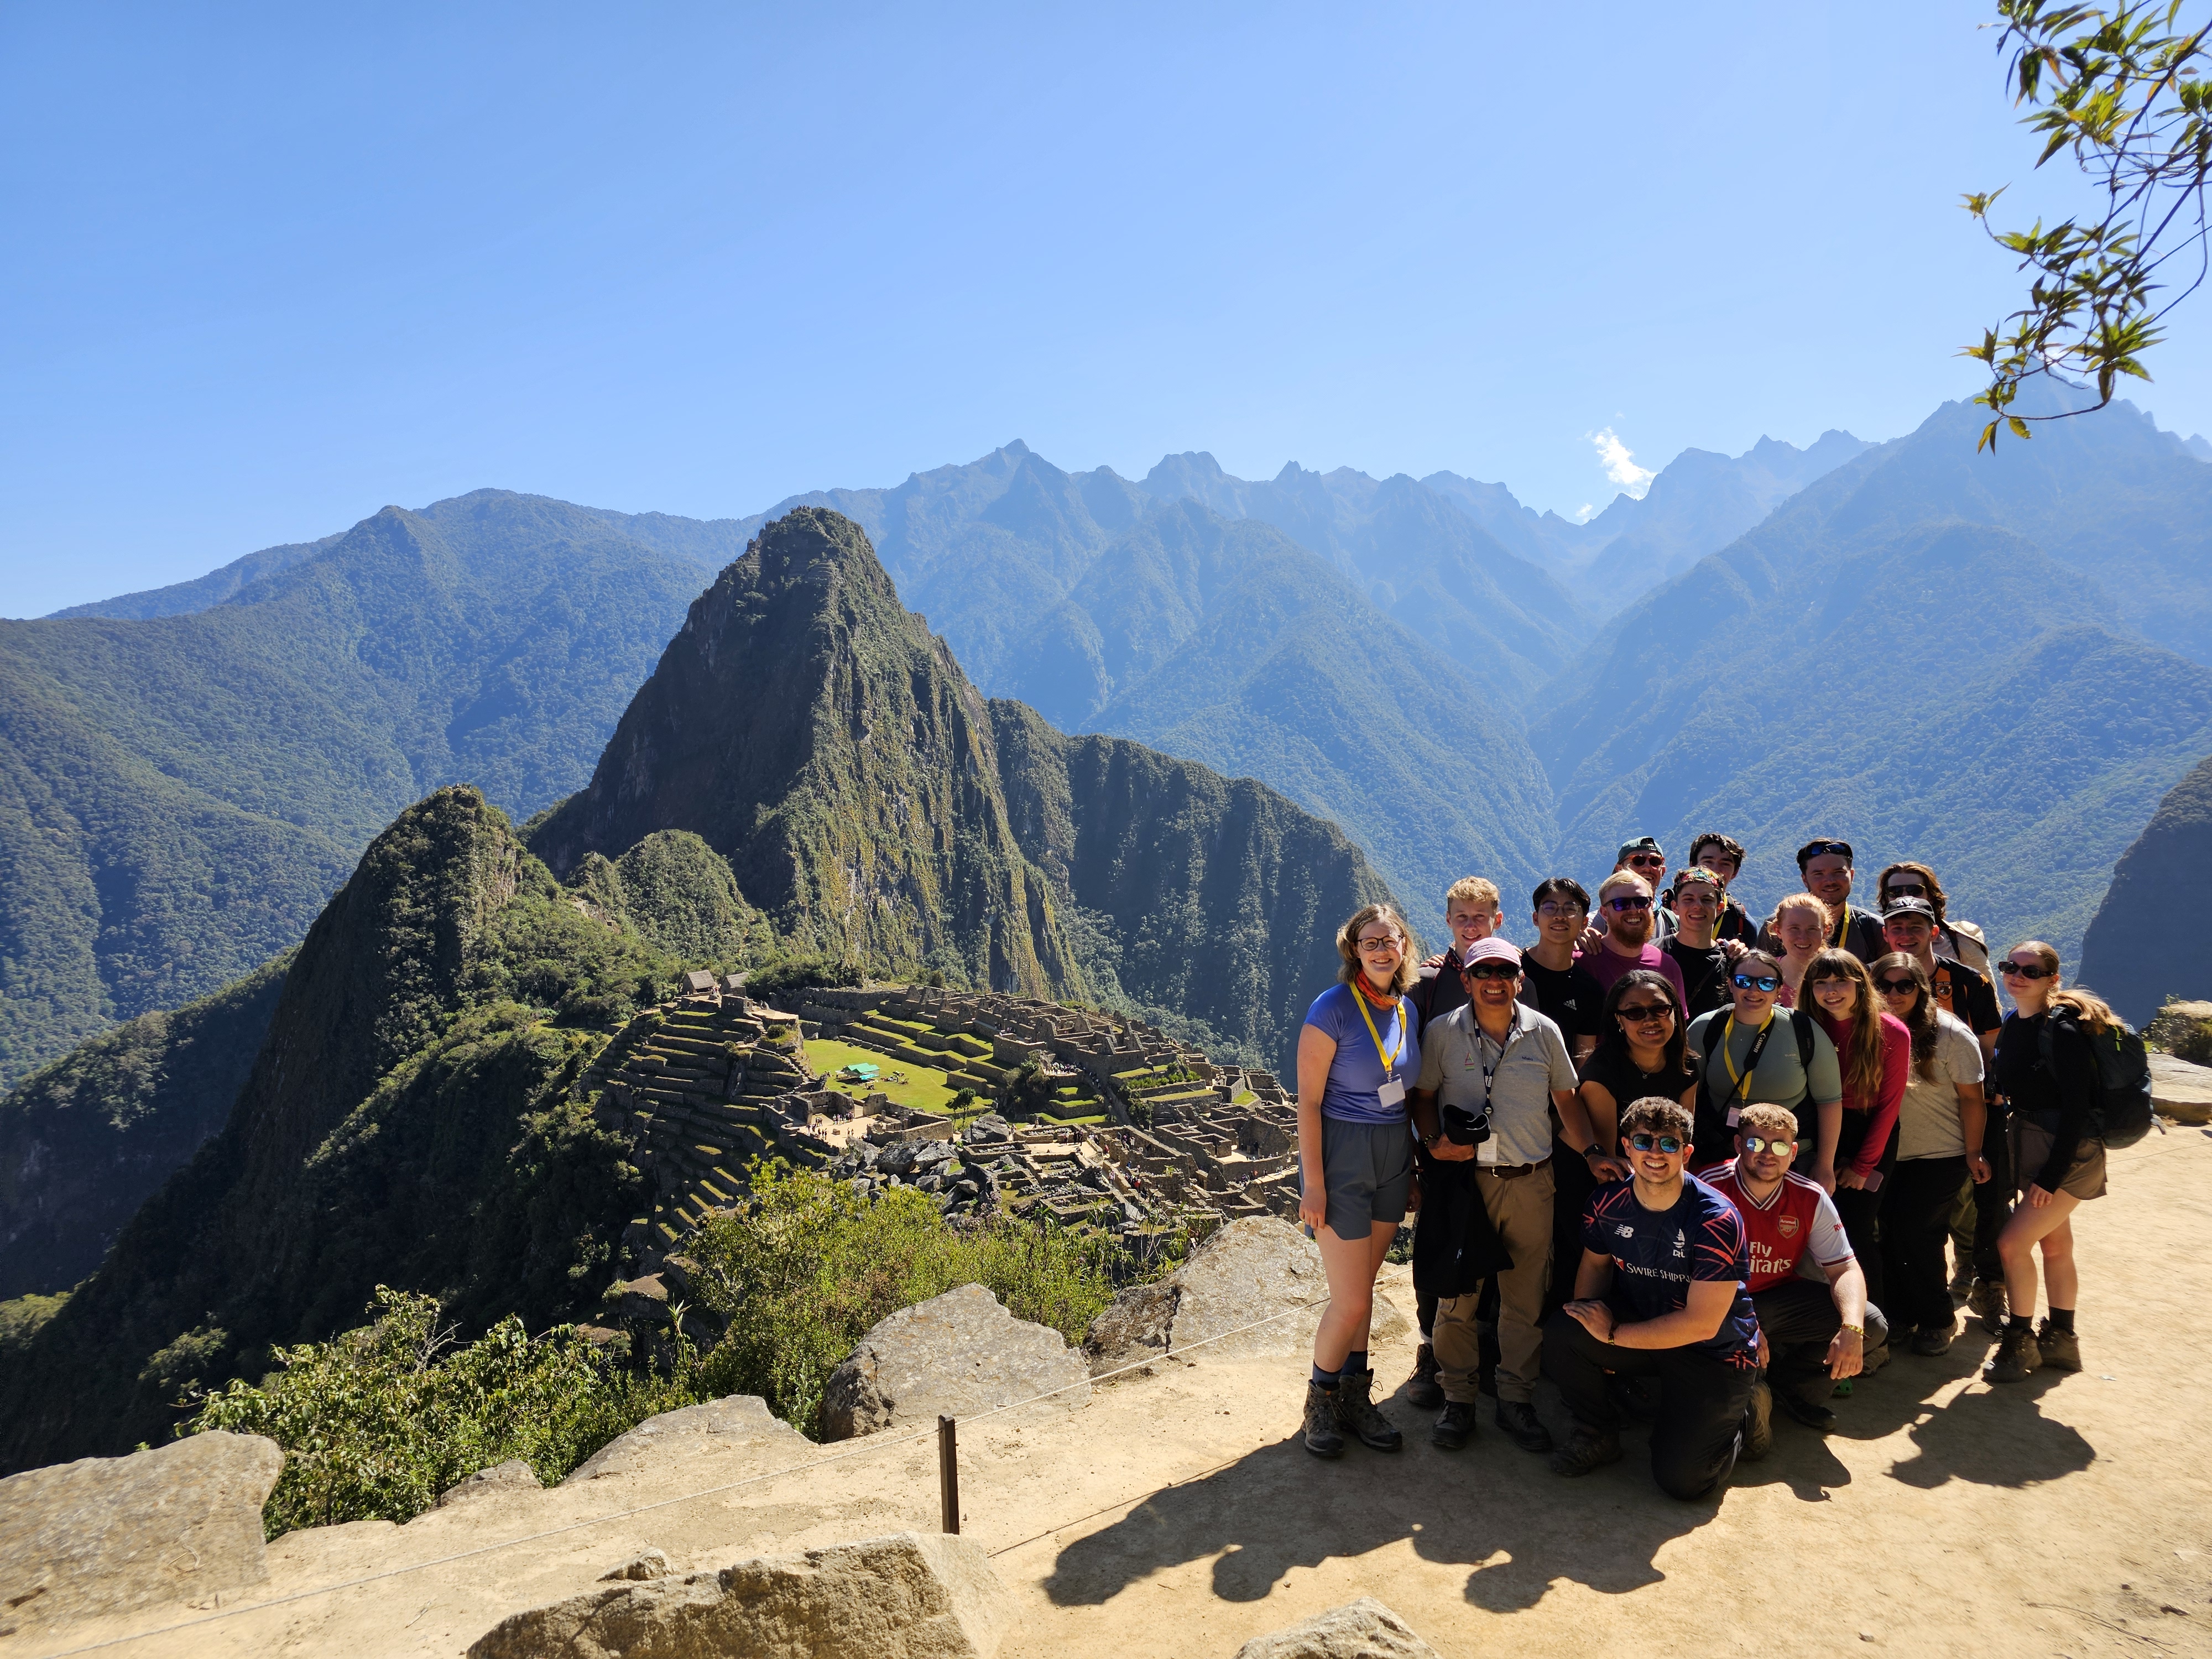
(948, 1472)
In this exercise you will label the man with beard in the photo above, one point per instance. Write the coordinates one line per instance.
(1626, 903)
(1825, 865)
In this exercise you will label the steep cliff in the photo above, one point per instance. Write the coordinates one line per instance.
(2147, 941)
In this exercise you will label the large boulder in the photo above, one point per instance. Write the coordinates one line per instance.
(119, 1534)
(952, 1356)
(911, 1595)
(1249, 1270)
(514, 1475)
(737, 1423)
(1364, 1629)
(2181, 1090)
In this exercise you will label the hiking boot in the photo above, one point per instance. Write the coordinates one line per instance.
(1758, 1423)
(1590, 1448)
(1455, 1427)
(1935, 1340)
(1518, 1422)
(2061, 1350)
(1422, 1389)
(2017, 1356)
(1872, 1360)
(1986, 1302)
(1355, 1410)
(1322, 1439)
(1811, 1413)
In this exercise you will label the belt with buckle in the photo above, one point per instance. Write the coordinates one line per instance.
(1506, 1171)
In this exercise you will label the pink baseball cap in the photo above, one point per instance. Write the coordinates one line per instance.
(1492, 949)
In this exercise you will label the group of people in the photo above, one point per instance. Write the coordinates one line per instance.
(1668, 1143)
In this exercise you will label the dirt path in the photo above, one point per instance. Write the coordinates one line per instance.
(2057, 1516)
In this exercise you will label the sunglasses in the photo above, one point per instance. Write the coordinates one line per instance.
(1632, 901)
(1659, 858)
(1768, 982)
(1757, 1144)
(1645, 1012)
(1897, 988)
(1906, 890)
(1841, 849)
(1371, 945)
(1669, 1144)
(1493, 969)
(2031, 970)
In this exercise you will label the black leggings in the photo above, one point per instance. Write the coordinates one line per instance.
(1702, 1397)
(1916, 1220)
(1859, 1209)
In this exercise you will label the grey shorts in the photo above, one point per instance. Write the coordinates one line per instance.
(1369, 1171)
(2031, 1145)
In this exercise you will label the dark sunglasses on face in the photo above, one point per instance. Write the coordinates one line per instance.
(1757, 1144)
(1493, 970)
(1629, 901)
(1768, 982)
(1645, 1012)
(1639, 859)
(1897, 988)
(1906, 890)
(1669, 1144)
(2028, 970)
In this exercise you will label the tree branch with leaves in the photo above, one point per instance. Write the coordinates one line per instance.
(2123, 89)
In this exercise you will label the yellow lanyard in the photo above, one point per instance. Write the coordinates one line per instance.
(1843, 932)
(1391, 1055)
(1728, 1059)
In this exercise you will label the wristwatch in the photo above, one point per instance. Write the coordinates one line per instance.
(1428, 1142)
(1595, 1149)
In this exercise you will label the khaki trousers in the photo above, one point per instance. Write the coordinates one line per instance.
(1520, 1208)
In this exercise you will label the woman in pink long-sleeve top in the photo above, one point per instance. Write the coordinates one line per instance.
(1875, 1048)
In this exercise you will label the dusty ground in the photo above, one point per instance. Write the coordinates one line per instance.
(1176, 1514)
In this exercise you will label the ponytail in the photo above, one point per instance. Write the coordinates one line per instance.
(2087, 1006)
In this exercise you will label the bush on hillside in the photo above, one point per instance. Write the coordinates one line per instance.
(804, 1273)
(380, 1421)
(801, 974)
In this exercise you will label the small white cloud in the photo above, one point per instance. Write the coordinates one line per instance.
(1584, 513)
(1619, 464)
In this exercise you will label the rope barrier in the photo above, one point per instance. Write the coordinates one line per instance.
(873, 1443)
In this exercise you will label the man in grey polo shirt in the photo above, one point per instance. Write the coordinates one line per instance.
(1496, 1059)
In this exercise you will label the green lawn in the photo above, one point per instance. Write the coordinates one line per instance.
(923, 1087)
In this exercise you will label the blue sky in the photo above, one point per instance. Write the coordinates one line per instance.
(273, 268)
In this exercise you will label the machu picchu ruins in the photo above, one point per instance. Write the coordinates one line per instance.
(1093, 1119)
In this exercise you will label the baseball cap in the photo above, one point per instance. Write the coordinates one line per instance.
(1492, 949)
(1641, 844)
(1909, 907)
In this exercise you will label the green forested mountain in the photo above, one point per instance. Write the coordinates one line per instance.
(404, 1121)
(181, 789)
(1879, 660)
(2146, 942)
(887, 814)
(87, 1139)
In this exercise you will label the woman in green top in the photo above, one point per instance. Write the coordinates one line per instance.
(1797, 1066)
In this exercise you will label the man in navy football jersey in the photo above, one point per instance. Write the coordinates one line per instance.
(1660, 1292)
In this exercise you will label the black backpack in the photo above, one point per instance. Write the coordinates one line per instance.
(1714, 1140)
(2123, 1115)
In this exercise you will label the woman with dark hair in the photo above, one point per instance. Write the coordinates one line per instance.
(1358, 1054)
(1941, 1118)
(2057, 1157)
(1640, 1052)
(1875, 1051)
(1754, 1051)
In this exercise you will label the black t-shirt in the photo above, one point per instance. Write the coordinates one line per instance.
(1704, 975)
(1571, 997)
(2061, 1099)
(1967, 996)
(1735, 924)
(1436, 991)
(1613, 1070)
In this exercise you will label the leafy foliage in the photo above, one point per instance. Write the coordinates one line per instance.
(800, 974)
(2124, 89)
(377, 1422)
(812, 1266)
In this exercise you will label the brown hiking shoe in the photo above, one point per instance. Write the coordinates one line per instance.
(1986, 1302)
(2061, 1350)
(2017, 1355)
(1355, 1411)
(1590, 1448)
(1422, 1387)
(1322, 1439)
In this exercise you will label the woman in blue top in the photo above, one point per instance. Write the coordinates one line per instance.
(1358, 1054)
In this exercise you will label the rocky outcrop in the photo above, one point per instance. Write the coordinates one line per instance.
(119, 1534)
(952, 1356)
(738, 1422)
(514, 1475)
(1364, 1629)
(1258, 1269)
(2180, 1091)
(911, 1595)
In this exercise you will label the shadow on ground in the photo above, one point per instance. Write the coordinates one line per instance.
(1520, 1528)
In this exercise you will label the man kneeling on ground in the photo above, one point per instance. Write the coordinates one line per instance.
(1816, 1333)
(1660, 1292)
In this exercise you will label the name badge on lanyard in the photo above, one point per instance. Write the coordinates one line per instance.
(1485, 1150)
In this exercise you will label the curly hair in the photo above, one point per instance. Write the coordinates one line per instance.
(1347, 946)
